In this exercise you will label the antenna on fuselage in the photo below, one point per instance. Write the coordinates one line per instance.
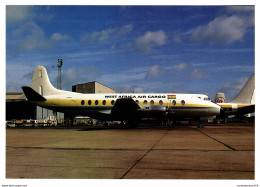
(59, 82)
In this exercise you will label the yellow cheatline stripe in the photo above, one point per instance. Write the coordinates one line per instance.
(67, 102)
(230, 106)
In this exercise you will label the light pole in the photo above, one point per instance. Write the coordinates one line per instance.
(59, 82)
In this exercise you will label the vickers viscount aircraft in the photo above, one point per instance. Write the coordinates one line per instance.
(127, 107)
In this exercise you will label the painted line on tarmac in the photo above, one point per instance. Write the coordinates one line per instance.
(118, 149)
(137, 161)
(216, 140)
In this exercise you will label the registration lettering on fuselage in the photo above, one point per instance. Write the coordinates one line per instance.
(135, 96)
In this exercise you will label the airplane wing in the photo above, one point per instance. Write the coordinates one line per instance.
(227, 111)
(125, 107)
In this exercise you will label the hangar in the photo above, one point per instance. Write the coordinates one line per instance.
(17, 107)
(92, 87)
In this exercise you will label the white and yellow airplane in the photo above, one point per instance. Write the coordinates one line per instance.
(243, 103)
(127, 107)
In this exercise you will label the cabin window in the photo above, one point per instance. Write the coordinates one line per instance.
(112, 102)
(89, 102)
(182, 102)
(137, 101)
(145, 102)
(82, 102)
(96, 102)
(174, 102)
(161, 102)
(104, 102)
(152, 102)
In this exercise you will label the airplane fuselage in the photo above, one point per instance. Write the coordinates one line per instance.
(177, 105)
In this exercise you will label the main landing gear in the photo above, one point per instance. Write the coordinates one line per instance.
(202, 123)
(131, 124)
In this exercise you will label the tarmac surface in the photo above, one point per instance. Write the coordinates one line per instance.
(212, 152)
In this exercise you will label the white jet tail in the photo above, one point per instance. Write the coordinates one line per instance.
(41, 83)
(247, 94)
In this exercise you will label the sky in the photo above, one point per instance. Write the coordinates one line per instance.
(140, 49)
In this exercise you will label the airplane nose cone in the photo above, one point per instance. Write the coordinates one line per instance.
(215, 110)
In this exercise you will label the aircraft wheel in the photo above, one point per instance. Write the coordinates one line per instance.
(200, 126)
(130, 124)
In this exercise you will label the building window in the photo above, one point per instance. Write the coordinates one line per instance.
(182, 102)
(96, 102)
(174, 102)
(161, 102)
(112, 102)
(89, 102)
(82, 102)
(104, 102)
(152, 102)
(145, 102)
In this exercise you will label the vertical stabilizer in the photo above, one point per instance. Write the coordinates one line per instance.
(247, 94)
(41, 83)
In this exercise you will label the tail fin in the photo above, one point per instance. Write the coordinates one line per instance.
(41, 83)
(220, 98)
(247, 94)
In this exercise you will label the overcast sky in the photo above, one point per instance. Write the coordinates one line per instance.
(182, 49)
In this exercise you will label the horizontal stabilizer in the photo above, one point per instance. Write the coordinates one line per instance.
(105, 111)
(32, 95)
